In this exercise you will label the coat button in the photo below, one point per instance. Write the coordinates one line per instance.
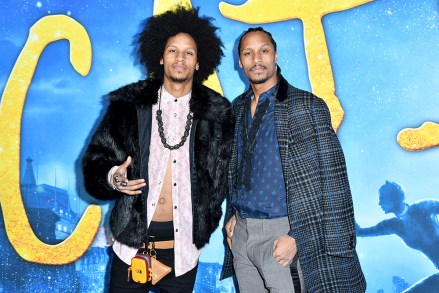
(352, 242)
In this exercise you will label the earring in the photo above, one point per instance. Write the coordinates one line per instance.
(196, 67)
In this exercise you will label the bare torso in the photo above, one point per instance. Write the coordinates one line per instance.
(163, 212)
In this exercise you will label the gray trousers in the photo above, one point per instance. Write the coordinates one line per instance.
(256, 269)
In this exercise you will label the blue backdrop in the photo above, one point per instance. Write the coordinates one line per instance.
(385, 66)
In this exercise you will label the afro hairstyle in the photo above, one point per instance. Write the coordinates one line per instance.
(157, 29)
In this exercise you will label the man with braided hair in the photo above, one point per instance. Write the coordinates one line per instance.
(290, 208)
(161, 151)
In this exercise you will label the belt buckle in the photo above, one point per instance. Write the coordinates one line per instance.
(152, 251)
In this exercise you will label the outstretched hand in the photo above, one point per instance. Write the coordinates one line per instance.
(357, 227)
(123, 184)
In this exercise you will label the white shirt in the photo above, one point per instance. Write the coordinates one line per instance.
(174, 115)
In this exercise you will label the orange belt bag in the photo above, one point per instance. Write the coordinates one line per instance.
(146, 268)
(140, 269)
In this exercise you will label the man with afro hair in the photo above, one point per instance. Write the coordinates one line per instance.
(161, 151)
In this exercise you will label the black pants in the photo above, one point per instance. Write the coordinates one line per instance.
(169, 284)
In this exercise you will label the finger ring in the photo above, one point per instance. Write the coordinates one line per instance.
(123, 184)
(116, 179)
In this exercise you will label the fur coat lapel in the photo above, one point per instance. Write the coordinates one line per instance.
(144, 94)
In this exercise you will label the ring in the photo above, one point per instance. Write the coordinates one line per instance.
(123, 184)
(116, 179)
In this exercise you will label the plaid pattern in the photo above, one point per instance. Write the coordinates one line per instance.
(319, 200)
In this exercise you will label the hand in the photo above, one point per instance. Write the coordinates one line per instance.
(284, 250)
(357, 228)
(230, 227)
(130, 187)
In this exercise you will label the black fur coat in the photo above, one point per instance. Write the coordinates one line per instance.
(125, 131)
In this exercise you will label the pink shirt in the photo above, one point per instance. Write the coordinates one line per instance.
(174, 114)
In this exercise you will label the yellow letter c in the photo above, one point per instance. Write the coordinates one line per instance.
(20, 234)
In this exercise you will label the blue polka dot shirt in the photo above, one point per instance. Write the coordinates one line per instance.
(266, 196)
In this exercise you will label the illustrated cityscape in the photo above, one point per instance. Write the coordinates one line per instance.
(53, 220)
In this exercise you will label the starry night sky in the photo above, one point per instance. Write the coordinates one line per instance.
(384, 58)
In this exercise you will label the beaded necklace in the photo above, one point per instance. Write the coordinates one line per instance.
(161, 129)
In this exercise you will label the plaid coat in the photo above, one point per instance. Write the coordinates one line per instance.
(319, 200)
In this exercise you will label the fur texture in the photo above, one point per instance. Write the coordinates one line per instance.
(117, 137)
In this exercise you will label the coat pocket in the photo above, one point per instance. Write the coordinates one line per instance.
(339, 226)
(340, 245)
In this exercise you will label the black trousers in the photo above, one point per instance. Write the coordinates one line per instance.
(169, 284)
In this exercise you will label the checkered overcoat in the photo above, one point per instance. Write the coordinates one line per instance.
(319, 200)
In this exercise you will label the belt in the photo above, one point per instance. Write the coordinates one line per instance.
(168, 244)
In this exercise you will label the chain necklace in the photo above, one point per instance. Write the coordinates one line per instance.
(248, 137)
(161, 129)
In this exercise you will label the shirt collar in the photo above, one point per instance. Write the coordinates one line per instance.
(270, 94)
(167, 97)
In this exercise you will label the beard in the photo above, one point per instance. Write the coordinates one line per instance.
(262, 77)
(179, 79)
(258, 80)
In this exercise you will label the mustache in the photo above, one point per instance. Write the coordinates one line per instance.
(257, 66)
(178, 64)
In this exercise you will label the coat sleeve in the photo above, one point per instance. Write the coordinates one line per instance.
(232, 165)
(223, 134)
(337, 205)
(211, 153)
(104, 152)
